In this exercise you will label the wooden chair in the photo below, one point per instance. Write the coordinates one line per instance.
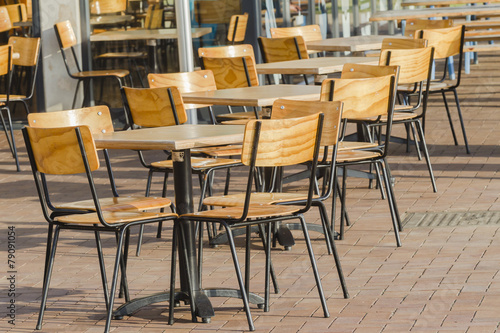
(283, 109)
(259, 150)
(230, 51)
(98, 119)
(202, 80)
(5, 23)
(366, 101)
(237, 28)
(67, 40)
(100, 7)
(413, 25)
(68, 151)
(17, 13)
(156, 107)
(26, 68)
(414, 80)
(283, 49)
(308, 32)
(6, 73)
(447, 43)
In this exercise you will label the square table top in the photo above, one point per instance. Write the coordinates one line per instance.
(171, 137)
(253, 96)
(404, 14)
(140, 34)
(313, 66)
(350, 44)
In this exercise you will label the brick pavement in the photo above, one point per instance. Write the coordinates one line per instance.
(443, 279)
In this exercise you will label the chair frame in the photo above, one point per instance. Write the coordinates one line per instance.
(250, 158)
(57, 219)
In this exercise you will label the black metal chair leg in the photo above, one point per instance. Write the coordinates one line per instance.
(76, 94)
(114, 283)
(449, 118)
(248, 236)
(417, 146)
(273, 273)
(426, 154)
(461, 121)
(314, 267)
(393, 211)
(268, 268)
(239, 277)
(11, 141)
(325, 223)
(173, 267)
(342, 202)
(48, 273)
(102, 268)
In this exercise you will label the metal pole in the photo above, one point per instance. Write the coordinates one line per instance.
(86, 48)
(355, 17)
(286, 13)
(184, 37)
(37, 32)
(335, 19)
(390, 23)
(253, 26)
(311, 17)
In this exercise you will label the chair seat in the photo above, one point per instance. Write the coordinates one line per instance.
(255, 211)
(3, 97)
(117, 218)
(102, 73)
(260, 198)
(120, 203)
(198, 163)
(220, 151)
(356, 155)
(399, 116)
(122, 55)
(242, 115)
(350, 145)
(441, 85)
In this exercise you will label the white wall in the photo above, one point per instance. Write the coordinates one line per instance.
(59, 87)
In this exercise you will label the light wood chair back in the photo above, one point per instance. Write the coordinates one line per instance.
(154, 17)
(332, 111)
(5, 22)
(308, 32)
(29, 8)
(28, 50)
(446, 42)
(413, 25)
(56, 151)
(17, 12)
(414, 64)
(281, 142)
(186, 82)
(242, 50)
(237, 28)
(215, 11)
(65, 33)
(403, 43)
(155, 107)
(99, 7)
(232, 72)
(362, 71)
(5, 60)
(283, 49)
(362, 98)
(97, 118)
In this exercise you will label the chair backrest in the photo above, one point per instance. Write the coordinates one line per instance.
(215, 11)
(308, 32)
(237, 28)
(65, 34)
(242, 50)
(414, 64)
(97, 118)
(403, 43)
(155, 107)
(412, 25)
(186, 82)
(56, 150)
(17, 12)
(332, 111)
(5, 22)
(5, 60)
(99, 7)
(232, 72)
(362, 98)
(154, 17)
(283, 49)
(446, 42)
(28, 50)
(276, 141)
(363, 71)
